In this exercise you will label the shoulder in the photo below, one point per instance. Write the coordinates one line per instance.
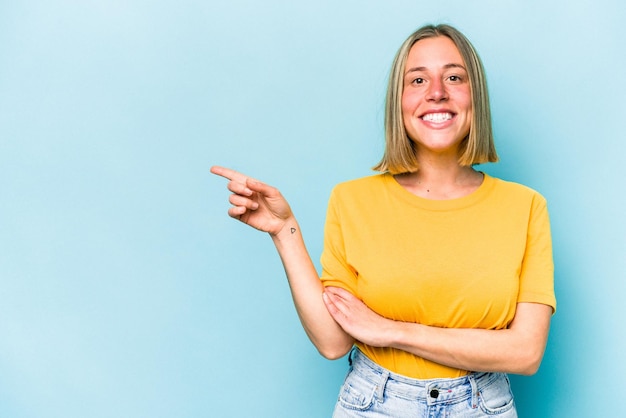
(359, 191)
(361, 185)
(513, 190)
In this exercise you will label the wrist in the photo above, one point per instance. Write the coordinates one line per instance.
(288, 230)
(403, 331)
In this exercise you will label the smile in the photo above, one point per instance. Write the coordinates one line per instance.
(437, 117)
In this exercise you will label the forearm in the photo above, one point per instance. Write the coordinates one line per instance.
(306, 289)
(264, 208)
(518, 349)
(468, 349)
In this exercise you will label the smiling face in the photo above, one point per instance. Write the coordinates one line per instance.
(436, 98)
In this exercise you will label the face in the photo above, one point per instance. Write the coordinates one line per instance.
(436, 99)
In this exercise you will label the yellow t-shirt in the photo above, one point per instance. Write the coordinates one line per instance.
(458, 263)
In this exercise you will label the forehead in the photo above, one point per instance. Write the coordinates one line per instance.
(431, 53)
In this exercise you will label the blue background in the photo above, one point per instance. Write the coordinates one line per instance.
(126, 291)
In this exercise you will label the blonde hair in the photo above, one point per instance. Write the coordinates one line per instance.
(478, 147)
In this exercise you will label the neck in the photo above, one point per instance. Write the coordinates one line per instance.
(441, 181)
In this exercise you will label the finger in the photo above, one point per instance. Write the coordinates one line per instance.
(331, 307)
(261, 188)
(242, 184)
(229, 174)
(239, 188)
(336, 301)
(340, 293)
(236, 211)
(239, 212)
(242, 201)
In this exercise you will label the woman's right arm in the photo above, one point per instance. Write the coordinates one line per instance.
(264, 208)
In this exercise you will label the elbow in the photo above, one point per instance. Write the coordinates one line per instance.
(529, 363)
(529, 370)
(334, 352)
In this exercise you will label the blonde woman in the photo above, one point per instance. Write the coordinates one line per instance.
(436, 278)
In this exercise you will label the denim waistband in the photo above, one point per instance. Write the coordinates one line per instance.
(431, 391)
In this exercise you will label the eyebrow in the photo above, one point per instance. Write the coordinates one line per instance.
(447, 66)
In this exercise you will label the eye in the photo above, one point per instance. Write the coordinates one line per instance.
(455, 79)
(418, 80)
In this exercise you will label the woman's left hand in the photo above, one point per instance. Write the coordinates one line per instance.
(357, 319)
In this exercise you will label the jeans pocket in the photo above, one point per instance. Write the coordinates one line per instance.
(357, 393)
(496, 398)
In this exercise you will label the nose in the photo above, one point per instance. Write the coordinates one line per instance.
(437, 90)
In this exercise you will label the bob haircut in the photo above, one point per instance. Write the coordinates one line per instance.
(400, 151)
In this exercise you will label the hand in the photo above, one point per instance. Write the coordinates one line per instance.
(357, 319)
(254, 203)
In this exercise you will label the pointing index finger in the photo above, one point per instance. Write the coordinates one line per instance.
(229, 174)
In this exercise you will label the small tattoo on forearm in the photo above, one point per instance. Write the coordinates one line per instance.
(293, 230)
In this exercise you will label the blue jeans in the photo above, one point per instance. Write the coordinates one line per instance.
(373, 391)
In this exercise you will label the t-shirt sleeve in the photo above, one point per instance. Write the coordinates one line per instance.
(336, 271)
(537, 273)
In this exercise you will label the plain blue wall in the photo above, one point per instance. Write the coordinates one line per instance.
(126, 291)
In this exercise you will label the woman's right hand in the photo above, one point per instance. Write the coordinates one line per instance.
(264, 208)
(255, 203)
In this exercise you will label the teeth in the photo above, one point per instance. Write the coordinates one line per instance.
(437, 117)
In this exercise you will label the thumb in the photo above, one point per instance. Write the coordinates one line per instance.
(260, 187)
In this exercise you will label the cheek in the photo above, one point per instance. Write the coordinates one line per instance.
(465, 100)
(464, 103)
(409, 103)
(470, 111)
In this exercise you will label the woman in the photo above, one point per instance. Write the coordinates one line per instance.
(438, 275)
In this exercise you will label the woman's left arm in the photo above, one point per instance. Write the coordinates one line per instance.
(517, 349)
